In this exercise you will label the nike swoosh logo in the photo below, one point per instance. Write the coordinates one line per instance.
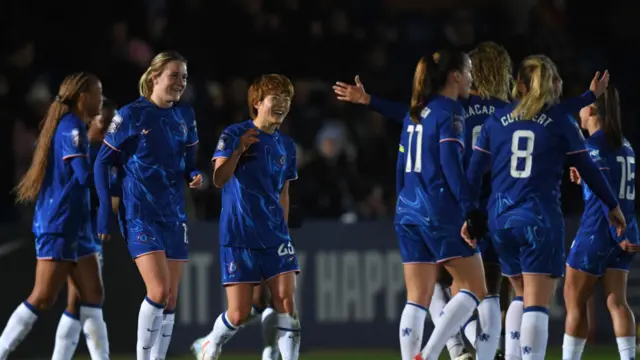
(149, 330)
(145, 131)
(146, 347)
(164, 335)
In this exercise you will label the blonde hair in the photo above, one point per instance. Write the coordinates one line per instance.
(68, 94)
(536, 75)
(491, 70)
(265, 85)
(145, 85)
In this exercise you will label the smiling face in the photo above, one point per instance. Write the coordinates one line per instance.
(274, 108)
(169, 84)
(270, 98)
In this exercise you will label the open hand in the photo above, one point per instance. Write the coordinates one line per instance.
(249, 137)
(352, 93)
(599, 83)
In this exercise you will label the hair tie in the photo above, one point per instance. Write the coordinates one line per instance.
(62, 101)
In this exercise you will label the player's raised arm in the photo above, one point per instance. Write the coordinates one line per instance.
(578, 156)
(356, 94)
(598, 86)
(230, 148)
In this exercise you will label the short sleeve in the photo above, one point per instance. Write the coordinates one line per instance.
(573, 136)
(72, 140)
(452, 129)
(122, 127)
(291, 171)
(226, 144)
(192, 127)
(482, 143)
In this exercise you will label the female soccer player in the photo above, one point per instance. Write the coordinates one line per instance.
(491, 72)
(69, 327)
(433, 185)
(58, 180)
(526, 143)
(155, 139)
(253, 164)
(260, 311)
(597, 251)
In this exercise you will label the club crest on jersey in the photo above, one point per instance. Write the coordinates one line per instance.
(458, 124)
(232, 267)
(220, 146)
(282, 160)
(75, 137)
(143, 238)
(115, 123)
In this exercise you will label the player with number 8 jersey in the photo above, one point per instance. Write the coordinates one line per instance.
(525, 145)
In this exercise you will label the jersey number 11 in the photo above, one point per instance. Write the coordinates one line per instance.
(410, 165)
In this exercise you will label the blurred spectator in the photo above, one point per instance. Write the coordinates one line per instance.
(346, 153)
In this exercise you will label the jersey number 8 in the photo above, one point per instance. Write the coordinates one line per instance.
(286, 249)
(517, 153)
(627, 177)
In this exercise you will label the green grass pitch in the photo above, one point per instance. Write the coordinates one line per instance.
(591, 353)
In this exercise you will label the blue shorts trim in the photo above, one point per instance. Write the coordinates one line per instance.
(419, 244)
(56, 247)
(530, 250)
(89, 246)
(595, 255)
(145, 237)
(253, 266)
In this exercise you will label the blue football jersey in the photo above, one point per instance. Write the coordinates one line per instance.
(153, 142)
(63, 205)
(620, 166)
(426, 197)
(527, 158)
(251, 215)
(477, 110)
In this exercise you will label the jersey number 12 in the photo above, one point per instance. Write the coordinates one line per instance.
(524, 154)
(627, 177)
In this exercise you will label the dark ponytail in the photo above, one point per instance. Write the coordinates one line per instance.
(608, 107)
(431, 76)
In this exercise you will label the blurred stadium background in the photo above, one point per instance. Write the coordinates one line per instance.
(352, 283)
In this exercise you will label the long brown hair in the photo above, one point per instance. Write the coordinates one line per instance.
(537, 76)
(491, 70)
(608, 108)
(68, 95)
(431, 76)
(145, 85)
